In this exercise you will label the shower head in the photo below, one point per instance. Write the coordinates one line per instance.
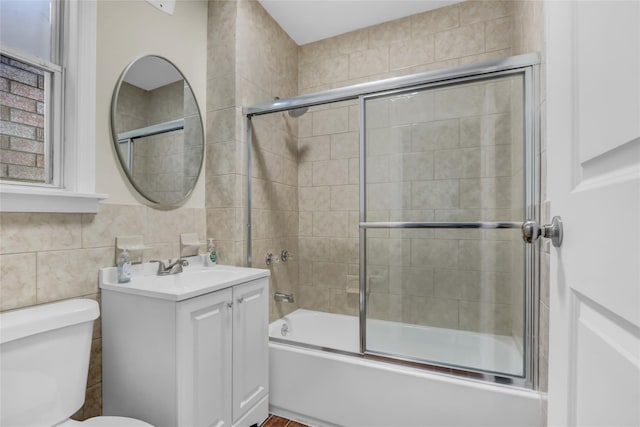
(297, 112)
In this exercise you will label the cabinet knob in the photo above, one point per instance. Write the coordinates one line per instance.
(230, 304)
(241, 300)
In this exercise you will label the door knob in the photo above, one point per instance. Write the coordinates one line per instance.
(531, 231)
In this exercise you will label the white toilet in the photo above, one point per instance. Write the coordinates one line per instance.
(44, 362)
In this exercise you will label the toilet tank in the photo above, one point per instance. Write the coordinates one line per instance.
(44, 361)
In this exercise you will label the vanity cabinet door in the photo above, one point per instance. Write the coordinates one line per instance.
(250, 345)
(204, 338)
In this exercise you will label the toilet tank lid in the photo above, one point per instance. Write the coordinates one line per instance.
(28, 321)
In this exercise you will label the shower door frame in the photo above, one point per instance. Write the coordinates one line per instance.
(531, 200)
(528, 65)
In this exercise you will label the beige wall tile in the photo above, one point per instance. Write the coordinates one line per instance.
(312, 248)
(223, 191)
(493, 129)
(221, 125)
(70, 273)
(39, 232)
(411, 281)
(412, 53)
(377, 169)
(345, 198)
(101, 229)
(221, 92)
(166, 226)
(462, 41)
(345, 250)
(354, 171)
(343, 303)
(222, 224)
(369, 62)
(305, 174)
(328, 70)
(313, 298)
(485, 255)
(411, 167)
(407, 109)
(392, 252)
(388, 140)
(331, 172)
(314, 149)
(434, 21)
(434, 135)
(476, 11)
(221, 158)
(441, 194)
(485, 193)
(345, 145)
(332, 121)
(314, 199)
(330, 275)
(461, 163)
(385, 196)
(431, 253)
(17, 280)
(397, 31)
(498, 33)
(330, 224)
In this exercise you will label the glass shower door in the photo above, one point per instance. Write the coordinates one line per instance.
(445, 189)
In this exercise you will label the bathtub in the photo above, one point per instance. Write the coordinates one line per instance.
(323, 388)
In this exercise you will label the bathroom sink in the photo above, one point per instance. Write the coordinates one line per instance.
(196, 279)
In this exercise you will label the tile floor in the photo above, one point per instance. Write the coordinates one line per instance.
(276, 421)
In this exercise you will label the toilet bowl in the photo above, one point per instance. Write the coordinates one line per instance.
(44, 362)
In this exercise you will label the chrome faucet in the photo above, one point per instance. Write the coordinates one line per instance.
(282, 297)
(173, 267)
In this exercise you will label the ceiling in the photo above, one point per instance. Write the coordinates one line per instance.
(307, 21)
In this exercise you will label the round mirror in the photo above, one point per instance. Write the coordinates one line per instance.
(157, 131)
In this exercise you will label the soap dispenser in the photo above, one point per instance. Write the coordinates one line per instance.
(212, 257)
(124, 267)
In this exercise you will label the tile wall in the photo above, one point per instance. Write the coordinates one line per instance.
(251, 60)
(48, 257)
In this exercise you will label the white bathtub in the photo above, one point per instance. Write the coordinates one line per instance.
(327, 389)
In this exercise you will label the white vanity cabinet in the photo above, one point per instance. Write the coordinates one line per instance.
(199, 361)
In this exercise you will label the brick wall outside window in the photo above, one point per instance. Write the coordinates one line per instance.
(22, 108)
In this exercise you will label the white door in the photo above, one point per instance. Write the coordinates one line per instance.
(593, 140)
(250, 345)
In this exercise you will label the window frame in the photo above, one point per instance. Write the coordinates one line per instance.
(72, 188)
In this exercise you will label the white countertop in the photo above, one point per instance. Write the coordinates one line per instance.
(196, 279)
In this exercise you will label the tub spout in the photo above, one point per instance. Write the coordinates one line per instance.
(282, 297)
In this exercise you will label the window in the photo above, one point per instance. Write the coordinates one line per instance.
(47, 106)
